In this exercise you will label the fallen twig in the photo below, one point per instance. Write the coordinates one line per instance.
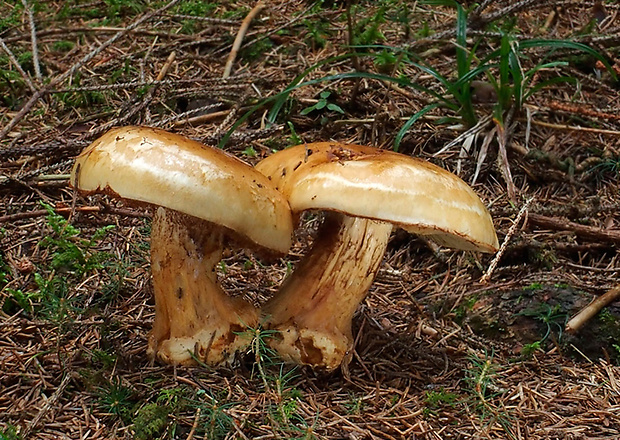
(47, 406)
(9, 218)
(487, 276)
(576, 128)
(205, 118)
(589, 311)
(89, 56)
(33, 40)
(239, 39)
(14, 61)
(583, 231)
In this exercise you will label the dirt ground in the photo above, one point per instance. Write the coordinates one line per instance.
(449, 344)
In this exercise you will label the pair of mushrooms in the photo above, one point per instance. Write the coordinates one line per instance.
(204, 196)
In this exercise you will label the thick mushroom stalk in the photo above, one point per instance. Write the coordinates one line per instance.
(201, 195)
(313, 309)
(193, 315)
(366, 191)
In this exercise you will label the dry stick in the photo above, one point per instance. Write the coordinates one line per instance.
(589, 311)
(239, 39)
(160, 77)
(489, 273)
(354, 59)
(164, 70)
(133, 109)
(100, 30)
(573, 128)
(33, 39)
(481, 7)
(47, 406)
(237, 81)
(587, 232)
(273, 31)
(10, 218)
(190, 436)
(17, 66)
(206, 118)
(55, 81)
(503, 132)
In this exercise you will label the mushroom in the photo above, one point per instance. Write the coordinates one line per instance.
(202, 196)
(365, 191)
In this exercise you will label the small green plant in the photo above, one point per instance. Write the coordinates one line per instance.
(610, 326)
(196, 8)
(255, 50)
(367, 30)
(69, 252)
(63, 46)
(294, 138)
(387, 61)
(17, 300)
(249, 151)
(480, 380)
(223, 267)
(150, 421)
(317, 33)
(116, 399)
(607, 168)
(217, 423)
(323, 103)
(552, 317)
(529, 349)
(12, 18)
(465, 307)
(117, 8)
(100, 356)
(4, 272)
(355, 404)
(55, 303)
(9, 432)
(441, 398)
(11, 83)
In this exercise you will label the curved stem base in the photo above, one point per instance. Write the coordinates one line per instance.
(194, 318)
(313, 309)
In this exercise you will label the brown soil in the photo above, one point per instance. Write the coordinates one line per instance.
(439, 354)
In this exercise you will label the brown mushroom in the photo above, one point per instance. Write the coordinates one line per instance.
(366, 192)
(202, 196)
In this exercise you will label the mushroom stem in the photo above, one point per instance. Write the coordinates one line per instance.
(314, 308)
(193, 315)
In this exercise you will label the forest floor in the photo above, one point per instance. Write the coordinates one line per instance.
(528, 90)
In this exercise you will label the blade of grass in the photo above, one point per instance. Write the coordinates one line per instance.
(412, 120)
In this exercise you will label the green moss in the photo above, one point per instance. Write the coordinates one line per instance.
(150, 421)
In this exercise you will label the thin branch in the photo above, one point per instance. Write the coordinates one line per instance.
(47, 406)
(592, 309)
(583, 231)
(59, 79)
(489, 273)
(576, 128)
(17, 66)
(33, 39)
(105, 209)
(245, 25)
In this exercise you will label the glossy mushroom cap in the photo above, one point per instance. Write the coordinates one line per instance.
(362, 181)
(164, 169)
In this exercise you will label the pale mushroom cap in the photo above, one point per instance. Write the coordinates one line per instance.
(165, 169)
(362, 181)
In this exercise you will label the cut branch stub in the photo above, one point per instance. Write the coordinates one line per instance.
(368, 191)
(203, 195)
